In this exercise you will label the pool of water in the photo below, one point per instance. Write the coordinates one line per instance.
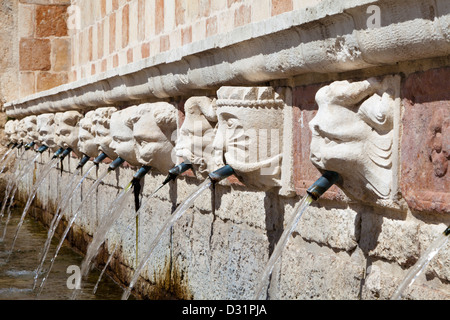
(17, 272)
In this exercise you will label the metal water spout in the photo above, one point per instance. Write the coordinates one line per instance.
(176, 171)
(65, 153)
(322, 184)
(447, 231)
(116, 163)
(100, 158)
(83, 161)
(30, 145)
(58, 153)
(42, 149)
(141, 173)
(221, 173)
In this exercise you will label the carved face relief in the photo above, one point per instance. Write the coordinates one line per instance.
(101, 122)
(57, 137)
(121, 128)
(439, 142)
(352, 135)
(11, 132)
(67, 130)
(46, 129)
(249, 134)
(196, 136)
(86, 136)
(153, 127)
(22, 132)
(31, 128)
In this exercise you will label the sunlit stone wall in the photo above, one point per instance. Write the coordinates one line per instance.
(360, 239)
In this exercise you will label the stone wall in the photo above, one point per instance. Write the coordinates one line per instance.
(44, 45)
(351, 244)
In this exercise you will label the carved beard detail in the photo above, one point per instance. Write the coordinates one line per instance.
(352, 134)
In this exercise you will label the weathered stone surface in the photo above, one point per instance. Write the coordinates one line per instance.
(35, 54)
(51, 21)
(48, 80)
(425, 147)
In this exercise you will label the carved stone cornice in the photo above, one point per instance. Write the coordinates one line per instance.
(328, 37)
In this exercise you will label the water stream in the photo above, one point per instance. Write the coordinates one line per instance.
(112, 214)
(47, 169)
(6, 161)
(57, 218)
(177, 214)
(70, 223)
(420, 265)
(16, 276)
(122, 232)
(281, 244)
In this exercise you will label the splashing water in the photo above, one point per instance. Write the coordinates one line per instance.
(69, 225)
(420, 265)
(178, 213)
(57, 218)
(47, 169)
(282, 242)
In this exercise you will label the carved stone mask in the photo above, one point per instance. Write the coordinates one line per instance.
(101, 122)
(249, 134)
(22, 131)
(67, 130)
(153, 127)
(86, 137)
(10, 130)
(46, 129)
(31, 128)
(352, 135)
(121, 128)
(195, 140)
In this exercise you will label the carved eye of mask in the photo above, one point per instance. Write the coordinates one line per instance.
(376, 111)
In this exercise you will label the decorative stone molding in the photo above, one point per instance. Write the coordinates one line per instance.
(154, 133)
(330, 37)
(355, 133)
(250, 135)
(196, 135)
